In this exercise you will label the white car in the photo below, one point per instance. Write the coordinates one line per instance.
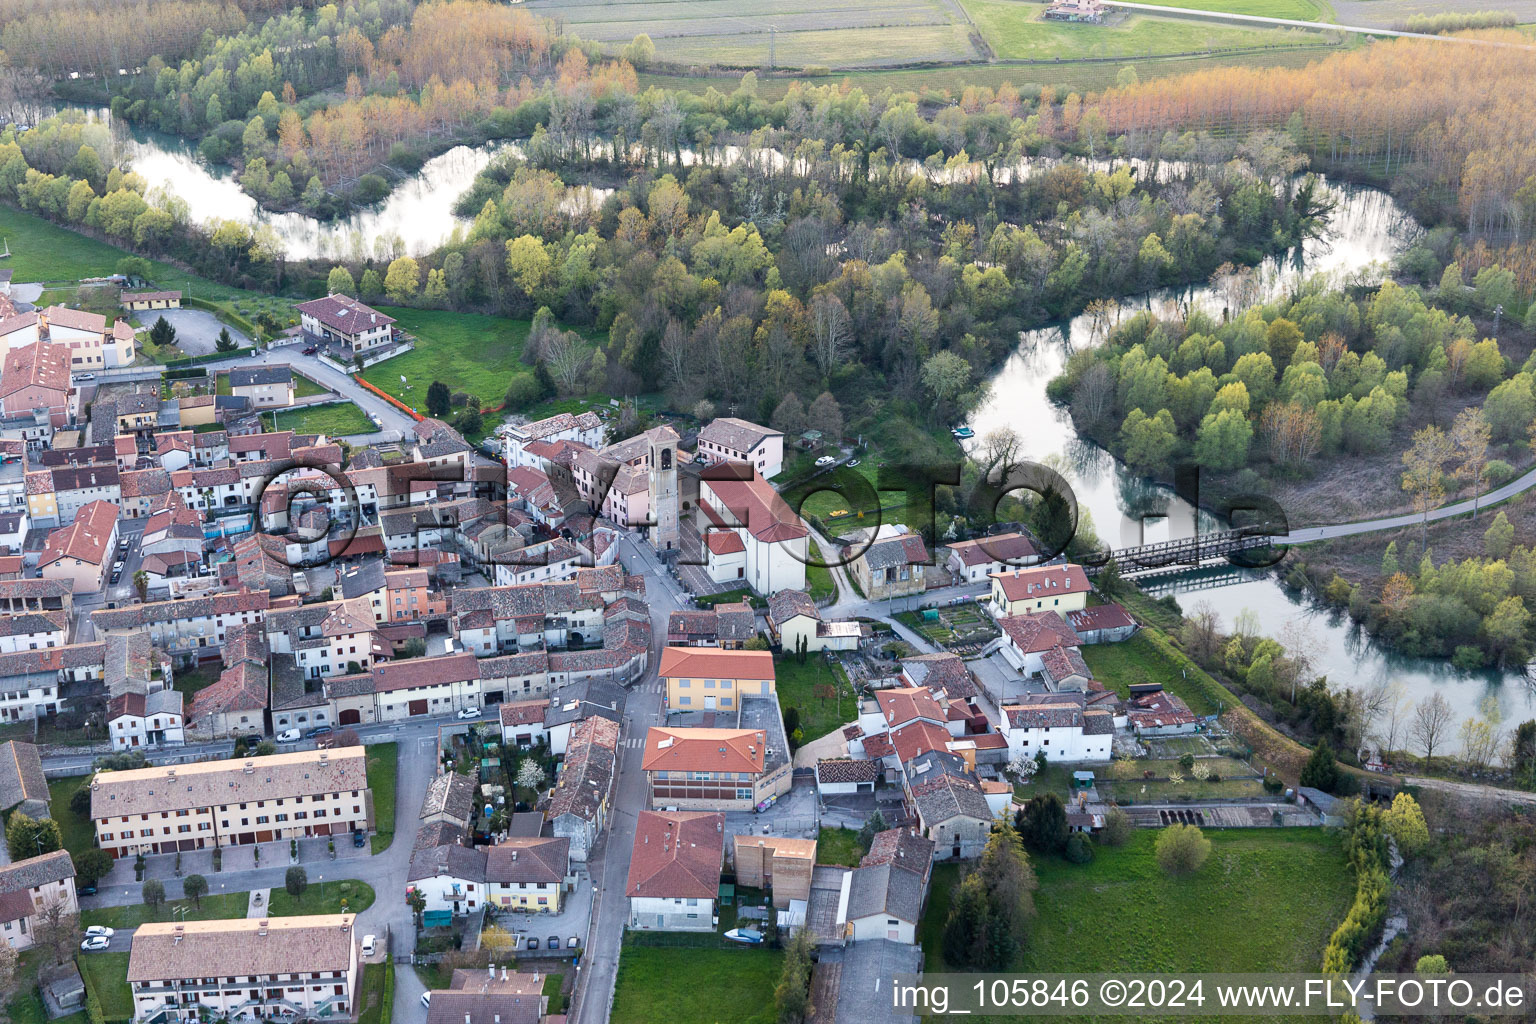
(288, 736)
(426, 1000)
(101, 930)
(468, 713)
(370, 943)
(95, 943)
(826, 460)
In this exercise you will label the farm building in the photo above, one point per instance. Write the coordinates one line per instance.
(1091, 11)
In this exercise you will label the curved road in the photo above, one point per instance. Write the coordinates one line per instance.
(1314, 533)
(390, 418)
(1317, 26)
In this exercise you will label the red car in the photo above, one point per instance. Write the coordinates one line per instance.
(311, 350)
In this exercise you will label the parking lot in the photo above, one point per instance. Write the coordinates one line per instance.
(533, 930)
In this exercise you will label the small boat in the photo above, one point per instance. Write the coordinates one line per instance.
(746, 935)
(963, 432)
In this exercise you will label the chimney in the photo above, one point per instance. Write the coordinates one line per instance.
(491, 972)
(504, 973)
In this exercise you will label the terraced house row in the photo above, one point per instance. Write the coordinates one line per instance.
(208, 804)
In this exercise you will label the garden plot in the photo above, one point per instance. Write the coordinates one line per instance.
(962, 628)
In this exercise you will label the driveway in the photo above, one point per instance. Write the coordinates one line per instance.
(390, 418)
(197, 330)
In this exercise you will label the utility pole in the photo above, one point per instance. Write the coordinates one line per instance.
(772, 39)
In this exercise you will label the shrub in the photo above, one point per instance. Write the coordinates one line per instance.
(1117, 827)
(1079, 849)
(1182, 850)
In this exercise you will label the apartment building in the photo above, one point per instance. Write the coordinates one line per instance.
(710, 679)
(729, 439)
(190, 624)
(253, 968)
(232, 803)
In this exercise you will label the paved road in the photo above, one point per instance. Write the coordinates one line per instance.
(1473, 791)
(1314, 533)
(1318, 26)
(197, 330)
(388, 416)
(609, 867)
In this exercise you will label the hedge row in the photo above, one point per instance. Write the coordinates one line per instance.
(1357, 933)
(223, 312)
(211, 357)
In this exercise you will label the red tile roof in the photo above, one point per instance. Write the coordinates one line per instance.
(917, 738)
(907, 705)
(1004, 547)
(754, 503)
(705, 750)
(1038, 631)
(677, 855)
(713, 663)
(1043, 581)
(88, 538)
(724, 542)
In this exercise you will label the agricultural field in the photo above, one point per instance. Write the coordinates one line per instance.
(1080, 75)
(1015, 31)
(1296, 10)
(1266, 900)
(830, 33)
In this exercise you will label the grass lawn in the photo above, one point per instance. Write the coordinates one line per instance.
(214, 906)
(106, 974)
(818, 578)
(466, 351)
(839, 846)
(1137, 660)
(796, 685)
(1149, 609)
(304, 387)
(78, 831)
(381, 780)
(552, 985)
(733, 985)
(322, 898)
(370, 1000)
(1266, 900)
(338, 420)
(1016, 31)
(191, 680)
(843, 514)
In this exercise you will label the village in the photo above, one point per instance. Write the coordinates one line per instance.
(608, 676)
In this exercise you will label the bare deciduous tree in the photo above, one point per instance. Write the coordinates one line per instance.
(1431, 724)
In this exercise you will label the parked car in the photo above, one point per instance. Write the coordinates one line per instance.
(852, 463)
(533, 943)
(370, 944)
(319, 730)
(85, 376)
(573, 942)
(426, 1000)
(86, 890)
(117, 566)
(963, 432)
(826, 460)
(359, 838)
(553, 942)
(98, 929)
(311, 350)
(95, 944)
(112, 580)
(468, 713)
(288, 736)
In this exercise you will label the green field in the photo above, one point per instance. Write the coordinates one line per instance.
(466, 351)
(382, 766)
(1137, 660)
(796, 685)
(23, 1004)
(690, 985)
(322, 898)
(839, 846)
(1015, 31)
(818, 578)
(190, 680)
(106, 974)
(338, 420)
(1266, 900)
(214, 906)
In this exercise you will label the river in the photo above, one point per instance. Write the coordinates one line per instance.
(1365, 231)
